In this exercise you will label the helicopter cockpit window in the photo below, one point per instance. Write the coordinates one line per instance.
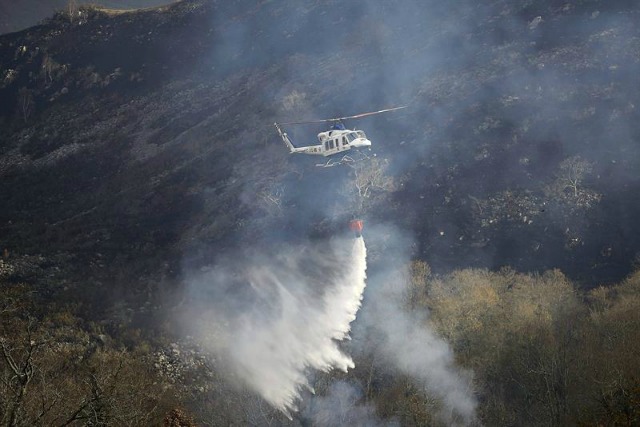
(361, 134)
(351, 137)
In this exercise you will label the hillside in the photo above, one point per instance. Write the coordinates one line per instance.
(129, 149)
(138, 147)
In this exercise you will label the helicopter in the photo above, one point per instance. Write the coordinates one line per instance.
(338, 139)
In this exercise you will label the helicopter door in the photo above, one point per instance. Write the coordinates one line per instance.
(330, 144)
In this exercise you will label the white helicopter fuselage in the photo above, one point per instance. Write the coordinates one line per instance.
(331, 142)
(335, 141)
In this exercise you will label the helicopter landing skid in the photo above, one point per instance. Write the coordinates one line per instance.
(345, 160)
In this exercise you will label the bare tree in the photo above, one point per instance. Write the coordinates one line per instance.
(568, 185)
(25, 103)
(72, 9)
(572, 172)
(370, 183)
(47, 68)
(272, 196)
(18, 360)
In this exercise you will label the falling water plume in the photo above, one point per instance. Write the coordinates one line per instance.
(306, 301)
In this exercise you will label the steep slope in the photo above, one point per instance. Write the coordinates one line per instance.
(137, 154)
(141, 139)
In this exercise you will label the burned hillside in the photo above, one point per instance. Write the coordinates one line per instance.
(137, 149)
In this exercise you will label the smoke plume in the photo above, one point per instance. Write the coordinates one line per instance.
(402, 339)
(341, 405)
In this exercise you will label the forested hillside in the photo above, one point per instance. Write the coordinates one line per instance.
(141, 178)
(541, 353)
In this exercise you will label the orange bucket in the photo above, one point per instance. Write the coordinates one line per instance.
(356, 225)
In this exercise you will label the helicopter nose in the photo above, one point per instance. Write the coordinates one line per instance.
(361, 142)
(365, 143)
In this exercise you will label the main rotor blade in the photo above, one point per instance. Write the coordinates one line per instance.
(308, 122)
(357, 116)
(337, 119)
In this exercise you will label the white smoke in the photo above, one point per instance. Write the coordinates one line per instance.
(302, 303)
(341, 406)
(414, 349)
(402, 338)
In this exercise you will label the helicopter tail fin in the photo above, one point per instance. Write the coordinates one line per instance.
(285, 138)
